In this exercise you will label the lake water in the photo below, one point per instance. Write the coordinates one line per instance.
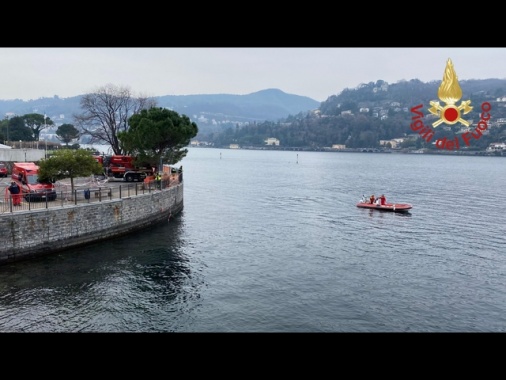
(272, 241)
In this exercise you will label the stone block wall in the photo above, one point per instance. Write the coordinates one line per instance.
(29, 234)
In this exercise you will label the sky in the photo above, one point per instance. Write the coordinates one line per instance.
(318, 73)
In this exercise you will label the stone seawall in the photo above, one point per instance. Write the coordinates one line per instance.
(30, 234)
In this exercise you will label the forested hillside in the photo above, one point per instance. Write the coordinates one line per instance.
(361, 117)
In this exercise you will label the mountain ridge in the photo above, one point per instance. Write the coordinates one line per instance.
(290, 101)
(209, 111)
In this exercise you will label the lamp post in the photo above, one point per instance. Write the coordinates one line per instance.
(45, 147)
(7, 119)
(45, 141)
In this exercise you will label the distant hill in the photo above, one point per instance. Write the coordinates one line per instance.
(271, 104)
(362, 117)
(410, 93)
(210, 112)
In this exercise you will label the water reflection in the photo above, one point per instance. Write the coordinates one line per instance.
(109, 286)
(381, 214)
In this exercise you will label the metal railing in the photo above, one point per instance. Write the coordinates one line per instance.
(66, 197)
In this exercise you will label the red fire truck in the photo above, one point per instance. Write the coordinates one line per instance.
(118, 166)
(26, 175)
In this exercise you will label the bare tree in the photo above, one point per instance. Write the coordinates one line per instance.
(106, 112)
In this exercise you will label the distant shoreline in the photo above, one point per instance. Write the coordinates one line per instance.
(440, 152)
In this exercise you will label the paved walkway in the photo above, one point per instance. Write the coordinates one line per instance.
(86, 190)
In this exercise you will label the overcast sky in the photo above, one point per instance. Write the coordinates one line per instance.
(32, 73)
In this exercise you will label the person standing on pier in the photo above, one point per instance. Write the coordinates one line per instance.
(15, 193)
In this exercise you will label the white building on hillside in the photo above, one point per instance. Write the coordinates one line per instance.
(496, 146)
(271, 141)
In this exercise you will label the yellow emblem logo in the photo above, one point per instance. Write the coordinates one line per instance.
(450, 93)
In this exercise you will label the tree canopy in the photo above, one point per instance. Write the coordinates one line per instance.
(25, 128)
(36, 122)
(68, 163)
(66, 133)
(158, 134)
(17, 130)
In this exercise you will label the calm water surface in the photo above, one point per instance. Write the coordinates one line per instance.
(273, 242)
